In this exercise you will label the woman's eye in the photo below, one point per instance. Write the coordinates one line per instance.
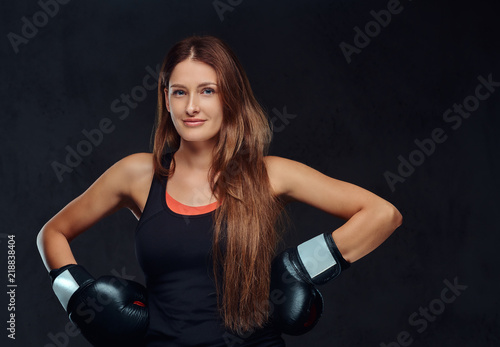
(178, 92)
(211, 91)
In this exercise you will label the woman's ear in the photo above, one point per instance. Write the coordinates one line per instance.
(167, 104)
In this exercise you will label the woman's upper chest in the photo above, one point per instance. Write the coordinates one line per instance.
(190, 188)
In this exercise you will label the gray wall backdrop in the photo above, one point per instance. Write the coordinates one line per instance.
(399, 97)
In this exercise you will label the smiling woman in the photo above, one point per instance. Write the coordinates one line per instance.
(194, 105)
(209, 202)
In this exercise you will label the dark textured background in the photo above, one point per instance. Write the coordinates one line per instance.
(353, 121)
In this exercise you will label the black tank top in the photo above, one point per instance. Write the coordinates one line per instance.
(174, 251)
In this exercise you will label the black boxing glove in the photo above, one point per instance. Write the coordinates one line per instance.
(294, 274)
(109, 311)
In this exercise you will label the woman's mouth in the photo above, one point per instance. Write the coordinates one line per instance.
(193, 122)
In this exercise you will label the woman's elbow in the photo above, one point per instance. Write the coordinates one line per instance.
(42, 238)
(394, 218)
(47, 237)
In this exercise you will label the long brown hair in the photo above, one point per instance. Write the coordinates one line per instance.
(246, 224)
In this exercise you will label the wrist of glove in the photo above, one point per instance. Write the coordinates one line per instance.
(108, 310)
(319, 259)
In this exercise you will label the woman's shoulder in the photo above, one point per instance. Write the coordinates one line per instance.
(277, 169)
(137, 162)
(278, 165)
(137, 166)
(292, 178)
(136, 173)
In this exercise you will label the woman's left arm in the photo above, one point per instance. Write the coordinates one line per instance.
(370, 220)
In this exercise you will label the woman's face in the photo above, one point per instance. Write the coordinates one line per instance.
(193, 101)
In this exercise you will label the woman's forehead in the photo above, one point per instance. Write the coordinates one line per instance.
(192, 73)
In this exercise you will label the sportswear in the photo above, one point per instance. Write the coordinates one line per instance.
(174, 252)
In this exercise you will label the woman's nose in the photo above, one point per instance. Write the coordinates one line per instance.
(192, 106)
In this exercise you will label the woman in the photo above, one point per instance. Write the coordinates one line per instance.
(208, 208)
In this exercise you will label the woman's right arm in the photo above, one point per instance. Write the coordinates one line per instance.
(115, 189)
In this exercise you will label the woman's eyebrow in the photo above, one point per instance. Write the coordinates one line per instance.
(199, 85)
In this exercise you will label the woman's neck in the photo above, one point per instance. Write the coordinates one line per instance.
(194, 155)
